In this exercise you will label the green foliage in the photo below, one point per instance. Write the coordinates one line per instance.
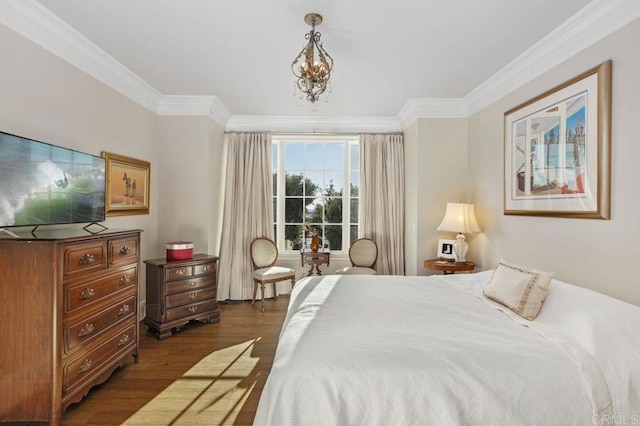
(327, 211)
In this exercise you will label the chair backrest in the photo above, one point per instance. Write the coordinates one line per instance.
(364, 253)
(263, 253)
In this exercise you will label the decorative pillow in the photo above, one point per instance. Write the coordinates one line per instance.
(519, 288)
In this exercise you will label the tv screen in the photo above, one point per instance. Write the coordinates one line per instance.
(43, 184)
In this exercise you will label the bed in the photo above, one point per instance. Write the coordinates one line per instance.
(390, 350)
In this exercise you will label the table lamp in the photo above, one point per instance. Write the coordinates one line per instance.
(459, 218)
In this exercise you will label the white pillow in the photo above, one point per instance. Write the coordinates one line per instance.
(520, 288)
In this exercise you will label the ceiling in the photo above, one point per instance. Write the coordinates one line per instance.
(385, 52)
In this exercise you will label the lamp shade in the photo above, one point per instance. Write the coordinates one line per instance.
(459, 218)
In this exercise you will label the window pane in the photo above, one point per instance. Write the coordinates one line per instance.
(274, 157)
(274, 177)
(333, 156)
(313, 190)
(355, 183)
(333, 233)
(355, 159)
(354, 232)
(293, 211)
(293, 184)
(293, 237)
(333, 210)
(313, 184)
(313, 156)
(333, 184)
(313, 210)
(293, 156)
(275, 210)
(355, 203)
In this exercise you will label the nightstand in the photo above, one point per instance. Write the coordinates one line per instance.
(448, 267)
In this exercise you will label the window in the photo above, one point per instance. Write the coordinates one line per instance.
(315, 183)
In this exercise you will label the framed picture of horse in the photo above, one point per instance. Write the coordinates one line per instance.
(127, 181)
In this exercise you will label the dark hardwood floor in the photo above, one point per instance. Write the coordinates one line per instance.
(205, 374)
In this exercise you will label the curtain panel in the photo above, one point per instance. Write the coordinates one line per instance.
(382, 198)
(248, 211)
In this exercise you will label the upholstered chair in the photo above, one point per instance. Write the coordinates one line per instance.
(264, 255)
(363, 254)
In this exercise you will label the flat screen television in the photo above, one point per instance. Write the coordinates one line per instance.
(44, 184)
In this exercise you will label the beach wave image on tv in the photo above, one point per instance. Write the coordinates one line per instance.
(44, 184)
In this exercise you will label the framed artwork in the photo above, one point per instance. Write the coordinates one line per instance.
(128, 182)
(557, 150)
(445, 249)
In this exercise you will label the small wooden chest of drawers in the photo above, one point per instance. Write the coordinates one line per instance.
(179, 292)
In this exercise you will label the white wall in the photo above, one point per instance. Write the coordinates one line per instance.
(191, 162)
(597, 254)
(45, 98)
(435, 173)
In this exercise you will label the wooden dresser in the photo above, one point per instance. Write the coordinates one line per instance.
(179, 292)
(69, 317)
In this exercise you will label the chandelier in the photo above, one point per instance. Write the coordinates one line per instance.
(312, 67)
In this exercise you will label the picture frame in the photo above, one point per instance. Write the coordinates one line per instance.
(445, 249)
(557, 150)
(127, 185)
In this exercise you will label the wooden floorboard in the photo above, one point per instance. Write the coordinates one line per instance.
(205, 374)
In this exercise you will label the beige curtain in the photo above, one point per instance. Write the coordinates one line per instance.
(248, 211)
(382, 198)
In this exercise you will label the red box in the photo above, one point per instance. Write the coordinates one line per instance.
(179, 250)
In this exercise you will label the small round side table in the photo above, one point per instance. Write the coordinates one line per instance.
(448, 267)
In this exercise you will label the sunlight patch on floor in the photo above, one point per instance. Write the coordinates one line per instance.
(220, 383)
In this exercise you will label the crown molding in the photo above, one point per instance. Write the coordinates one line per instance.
(591, 24)
(432, 108)
(311, 124)
(209, 106)
(33, 21)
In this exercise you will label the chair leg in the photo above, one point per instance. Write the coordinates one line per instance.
(275, 293)
(255, 290)
(262, 293)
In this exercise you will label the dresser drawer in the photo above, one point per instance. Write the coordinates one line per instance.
(81, 370)
(88, 328)
(85, 257)
(174, 287)
(191, 297)
(178, 273)
(205, 268)
(123, 251)
(91, 292)
(191, 310)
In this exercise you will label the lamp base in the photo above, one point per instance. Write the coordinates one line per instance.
(460, 248)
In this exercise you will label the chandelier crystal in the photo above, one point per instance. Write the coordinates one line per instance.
(313, 65)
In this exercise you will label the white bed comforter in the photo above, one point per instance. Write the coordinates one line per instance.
(381, 350)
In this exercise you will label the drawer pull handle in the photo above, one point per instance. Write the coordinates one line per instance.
(87, 293)
(193, 296)
(206, 268)
(193, 309)
(125, 250)
(125, 280)
(192, 283)
(85, 366)
(124, 310)
(86, 330)
(180, 272)
(123, 340)
(87, 259)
